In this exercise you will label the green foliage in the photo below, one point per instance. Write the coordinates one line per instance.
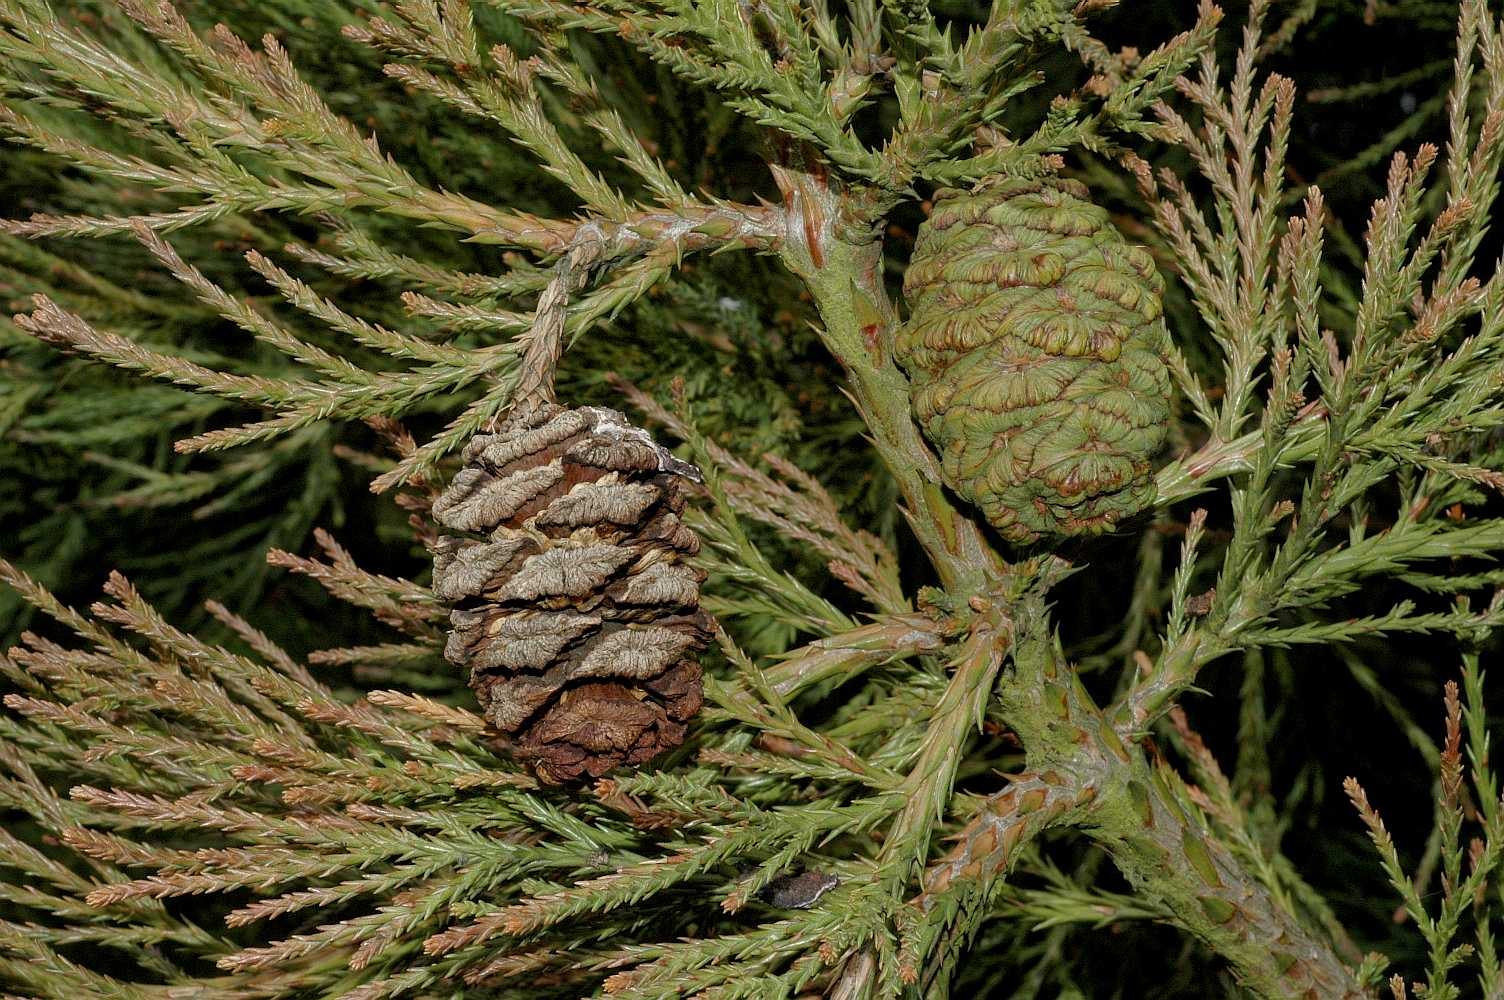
(923, 756)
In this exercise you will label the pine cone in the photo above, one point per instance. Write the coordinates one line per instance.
(1035, 347)
(574, 607)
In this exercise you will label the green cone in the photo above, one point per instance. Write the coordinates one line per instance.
(1035, 346)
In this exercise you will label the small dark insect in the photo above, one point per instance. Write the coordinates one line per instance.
(798, 892)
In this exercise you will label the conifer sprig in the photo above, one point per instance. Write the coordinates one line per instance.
(1395, 388)
(390, 845)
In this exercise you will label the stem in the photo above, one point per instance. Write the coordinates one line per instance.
(1217, 459)
(1142, 815)
(1159, 843)
(545, 338)
(832, 245)
(927, 789)
(958, 889)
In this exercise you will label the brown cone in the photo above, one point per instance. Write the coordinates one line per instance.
(574, 606)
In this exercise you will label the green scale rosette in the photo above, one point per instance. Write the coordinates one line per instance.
(1035, 346)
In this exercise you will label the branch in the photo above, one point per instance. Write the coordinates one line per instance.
(960, 886)
(1217, 459)
(830, 241)
(1157, 838)
(1141, 813)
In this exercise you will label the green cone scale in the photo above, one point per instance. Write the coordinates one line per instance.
(1035, 345)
